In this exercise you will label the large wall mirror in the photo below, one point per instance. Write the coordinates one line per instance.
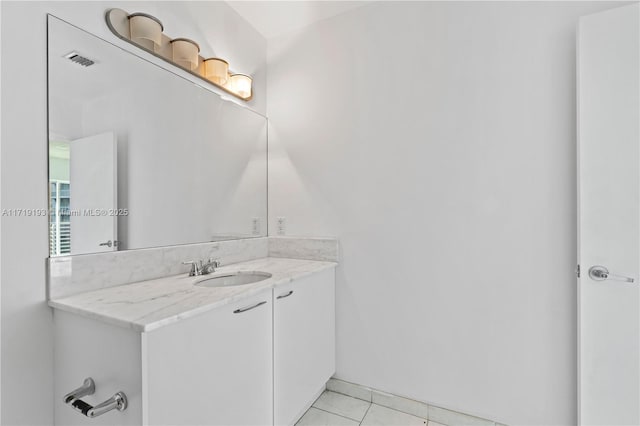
(142, 157)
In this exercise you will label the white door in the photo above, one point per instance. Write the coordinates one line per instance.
(93, 183)
(609, 217)
(303, 343)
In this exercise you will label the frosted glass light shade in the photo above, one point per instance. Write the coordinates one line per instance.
(185, 53)
(146, 30)
(240, 84)
(216, 70)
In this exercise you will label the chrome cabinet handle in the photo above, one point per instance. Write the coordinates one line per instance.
(601, 273)
(117, 402)
(248, 308)
(282, 296)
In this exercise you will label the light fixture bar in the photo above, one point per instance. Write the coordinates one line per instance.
(146, 32)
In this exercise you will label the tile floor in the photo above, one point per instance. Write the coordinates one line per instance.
(336, 409)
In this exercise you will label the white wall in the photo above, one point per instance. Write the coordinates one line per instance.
(26, 342)
(437, 142)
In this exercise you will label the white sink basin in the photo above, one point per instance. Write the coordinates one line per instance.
(233, 278)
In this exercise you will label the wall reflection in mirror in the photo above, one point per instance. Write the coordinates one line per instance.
(142, 157)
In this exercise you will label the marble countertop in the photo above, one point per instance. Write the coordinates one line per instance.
(147, 305)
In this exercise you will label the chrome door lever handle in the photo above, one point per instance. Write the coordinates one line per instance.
(117, 402)
(601, 273)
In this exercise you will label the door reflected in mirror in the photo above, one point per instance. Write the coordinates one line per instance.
(142, 157)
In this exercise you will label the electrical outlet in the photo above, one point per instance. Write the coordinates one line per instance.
(282, 225)
(255, 226)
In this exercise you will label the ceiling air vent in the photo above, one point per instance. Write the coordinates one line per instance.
(79, 59)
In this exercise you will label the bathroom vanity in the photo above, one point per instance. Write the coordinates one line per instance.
(174, 172)
(257, 353)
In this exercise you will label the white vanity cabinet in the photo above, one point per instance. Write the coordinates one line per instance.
(303, 343)
(260, 359)
(211, 369)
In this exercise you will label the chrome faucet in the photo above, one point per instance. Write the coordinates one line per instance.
(198, 267)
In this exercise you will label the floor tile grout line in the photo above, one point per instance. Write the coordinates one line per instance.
(347, 396)
(371, 403)
(382, 405)
(403, 412)
(372, 391)
(351, 396)
(335, 414)
(365, 414)
(426, 420)
(398, 411)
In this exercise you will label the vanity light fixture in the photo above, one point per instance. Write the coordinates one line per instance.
(216, 70)
(146, 30)
(185, 53)
(240, 84)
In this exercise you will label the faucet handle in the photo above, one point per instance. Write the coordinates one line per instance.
(195, 268)
(210, 266)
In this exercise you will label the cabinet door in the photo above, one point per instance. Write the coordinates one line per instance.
(212, 369)
(304, 343)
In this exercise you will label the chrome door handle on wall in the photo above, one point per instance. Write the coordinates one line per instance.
(116, 402)
(600, 273)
